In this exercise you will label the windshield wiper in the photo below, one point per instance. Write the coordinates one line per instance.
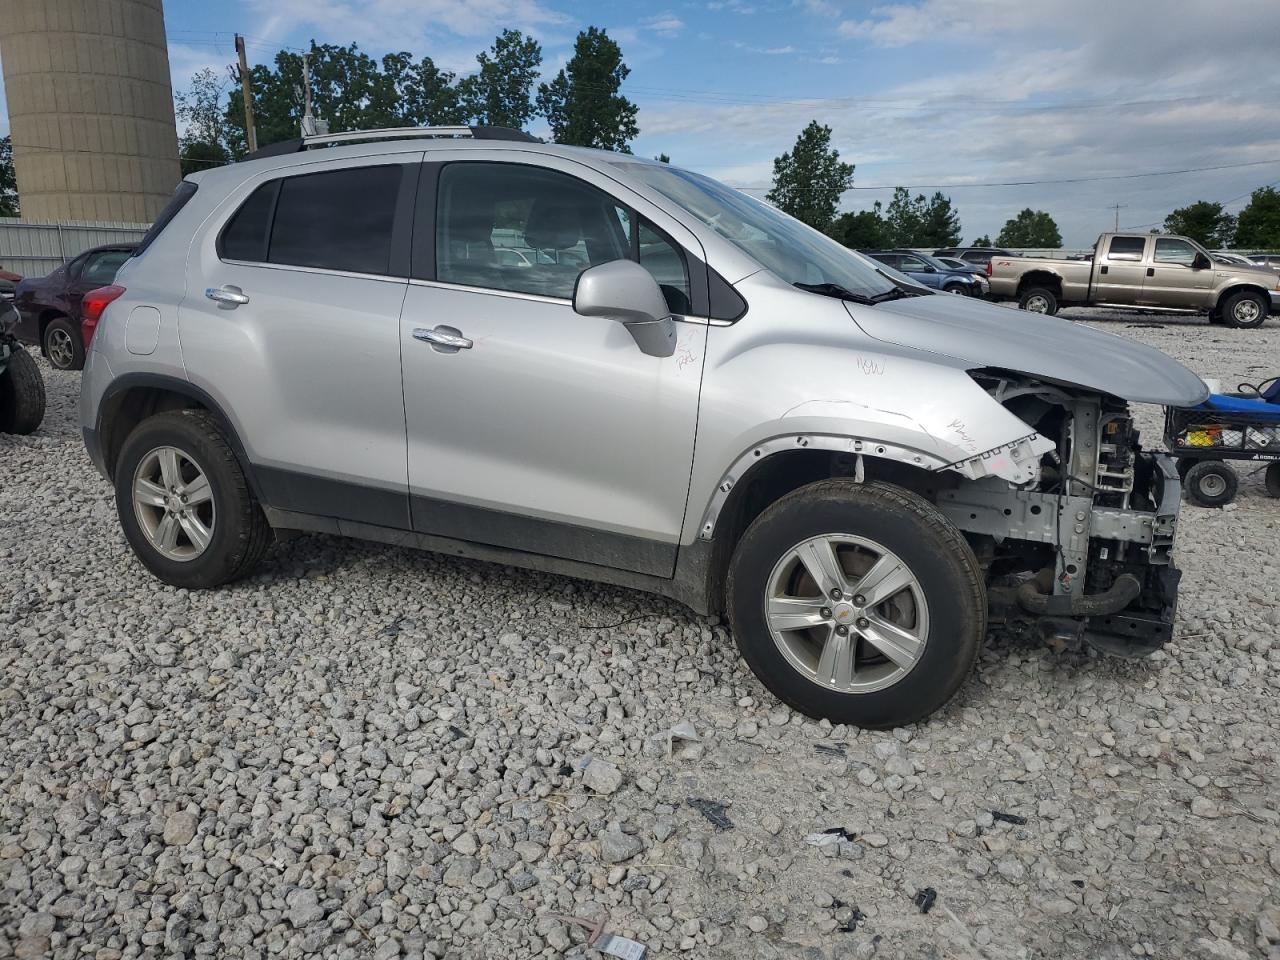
(837, 291)
(895, 293)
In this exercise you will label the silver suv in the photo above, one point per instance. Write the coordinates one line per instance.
(583, 362)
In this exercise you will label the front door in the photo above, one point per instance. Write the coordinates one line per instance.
(1119, 270)
(1173, 279)
(536, 428)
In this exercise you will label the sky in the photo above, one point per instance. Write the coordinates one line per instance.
(933, 94)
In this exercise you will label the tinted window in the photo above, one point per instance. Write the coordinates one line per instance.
(977, 256)
(101, 268)
(911, 264)
(660, 255)
(245, 236)
(185, 192)
(525, 229)
(1171, 250)
(338, 220)
(1126, 248)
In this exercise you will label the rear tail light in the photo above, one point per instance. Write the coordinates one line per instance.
(91, 307)
(988, 268)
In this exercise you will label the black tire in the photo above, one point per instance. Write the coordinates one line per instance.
(240, 530)
(1033, 295)
(1272, 478)
(936, 553)
(1245, 310)
(955, 288)
(21, 394)
(63, 345)
(1210, 483)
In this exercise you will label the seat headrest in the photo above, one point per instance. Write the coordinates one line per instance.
(555, 222)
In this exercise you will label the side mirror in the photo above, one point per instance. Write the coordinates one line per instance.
(929, 269)
(1201, 262)
(623, 290)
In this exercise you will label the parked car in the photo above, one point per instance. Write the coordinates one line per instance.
(21, 385)
(1154, 272)
(979, 255)
(720, 405)
(51, 307)
(924, 269)
(1234, 259)
(955, 263)
(1269, 260)
(8, 280)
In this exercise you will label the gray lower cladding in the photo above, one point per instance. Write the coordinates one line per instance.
(300, 493)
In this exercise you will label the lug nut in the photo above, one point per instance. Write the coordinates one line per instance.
(835, 594)
(842, 631)
(862, 623)
(826, 613)
(860, 600)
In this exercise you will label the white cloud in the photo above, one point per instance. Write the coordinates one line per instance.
(664, 24)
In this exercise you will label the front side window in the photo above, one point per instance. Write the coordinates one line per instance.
(101, 268)
(336, 220)
(1172, 250)
(524, 229)
(662, 257)
(911, 265)
(1126, 248)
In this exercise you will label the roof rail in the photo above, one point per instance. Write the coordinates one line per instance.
(320, 140)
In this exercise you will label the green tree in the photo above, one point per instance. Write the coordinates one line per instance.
(413, 94)
(1258, 225)
(1030, 228)
(500, 93)
(200, 113)
(197, 155)
(8, 180)
(808, 181)
(904, 219)
(864, 230)
(582, 103)
(939, 223)
(1203, 221)
(983, 241)
(662, 158)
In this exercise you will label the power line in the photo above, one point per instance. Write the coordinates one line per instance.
(1029, 183)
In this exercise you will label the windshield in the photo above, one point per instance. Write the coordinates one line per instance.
(936, 263)
(795, 252)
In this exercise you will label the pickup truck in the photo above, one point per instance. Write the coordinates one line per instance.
(1148, 271)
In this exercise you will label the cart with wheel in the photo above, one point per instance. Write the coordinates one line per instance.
(1228, 426)
(21, 386)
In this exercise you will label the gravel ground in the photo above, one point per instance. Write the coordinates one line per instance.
(372, 752)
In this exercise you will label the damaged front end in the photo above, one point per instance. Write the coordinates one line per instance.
(1081, 546)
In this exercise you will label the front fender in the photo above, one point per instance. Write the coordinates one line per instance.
(818, 380)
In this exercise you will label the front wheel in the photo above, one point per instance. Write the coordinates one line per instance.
(185, 504)
(858, 603)
(1038, 300)
(955, 288)
(1245, 310)
(1210, 483)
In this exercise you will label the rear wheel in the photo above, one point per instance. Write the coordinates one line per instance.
(1245, 310)
(1039, 300)
(185, 504)
(1211, 483)
(63, 345)
(21, 394)
(1273, 478)
(858, 603)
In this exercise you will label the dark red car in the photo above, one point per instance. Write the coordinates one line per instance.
(50, 307)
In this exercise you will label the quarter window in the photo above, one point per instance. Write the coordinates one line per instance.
(1126, 248)
(336, 220)
(101, 268)
(524, 229)
(1172, 250)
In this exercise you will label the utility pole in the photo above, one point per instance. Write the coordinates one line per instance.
(308, 121)
(251, 135)
(1117, 207)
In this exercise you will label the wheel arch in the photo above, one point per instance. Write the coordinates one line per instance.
(46, 317)
(1242, 288)
(134, 397)
(1040, 278)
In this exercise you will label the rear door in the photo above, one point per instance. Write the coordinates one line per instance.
(546, 431)
(291, 322)
(1173, 280)
(1120, 269)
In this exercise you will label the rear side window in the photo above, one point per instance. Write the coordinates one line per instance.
(336, 220)
(977, 256)
(101, 268)
(1126, 248)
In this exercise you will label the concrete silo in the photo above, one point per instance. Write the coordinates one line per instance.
(90, 108)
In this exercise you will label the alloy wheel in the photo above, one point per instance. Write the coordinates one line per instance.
(62, 352)
(173, 502)
(1037, 305)
(847, 613)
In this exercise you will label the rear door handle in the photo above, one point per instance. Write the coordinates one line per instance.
(1151, 271)
(443, 339)
(232, 296)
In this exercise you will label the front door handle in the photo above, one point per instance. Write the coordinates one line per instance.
(1151, 271)
(443, 339)
(229, 295)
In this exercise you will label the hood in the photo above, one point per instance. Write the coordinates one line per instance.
(1048, 347)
